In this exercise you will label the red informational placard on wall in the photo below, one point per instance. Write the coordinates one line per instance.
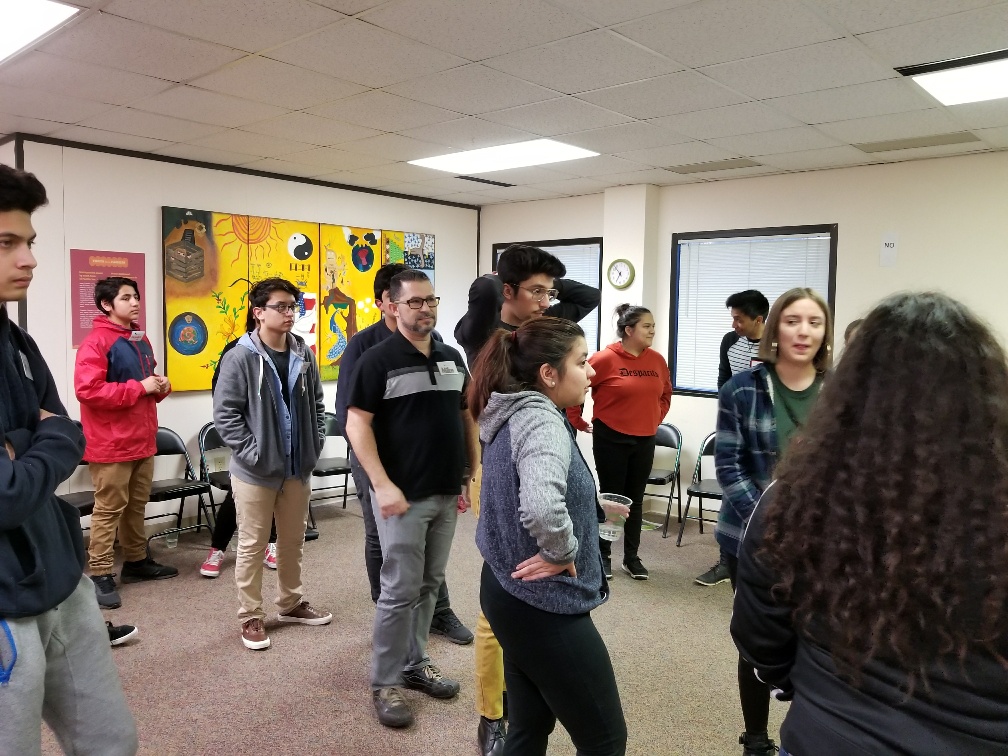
(87, 267)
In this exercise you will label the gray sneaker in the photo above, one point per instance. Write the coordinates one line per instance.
(105, 591)
(428, 678)
(446, 623)
(717, 574)
(391, 707)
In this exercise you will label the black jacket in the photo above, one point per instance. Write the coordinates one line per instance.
(41, 547)
(966, 714)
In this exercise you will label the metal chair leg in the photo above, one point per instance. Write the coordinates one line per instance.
(682, 524)
(700, 503)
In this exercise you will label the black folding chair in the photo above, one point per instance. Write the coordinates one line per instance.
(668, 437)
(328, 467)
(82, 500)
(701, 488)
(209, 440)
(170, 444)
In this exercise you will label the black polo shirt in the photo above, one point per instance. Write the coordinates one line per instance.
(416, 402)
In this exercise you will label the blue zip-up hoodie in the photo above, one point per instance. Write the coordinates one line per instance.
(538, 496)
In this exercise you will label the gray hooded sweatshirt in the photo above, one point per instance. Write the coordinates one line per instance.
(538, 496)
(269, 442)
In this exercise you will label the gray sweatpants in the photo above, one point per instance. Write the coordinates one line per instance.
(415, 548)
(63, 673)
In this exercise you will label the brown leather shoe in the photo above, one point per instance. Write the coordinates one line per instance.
(254, 634)
(305, 614)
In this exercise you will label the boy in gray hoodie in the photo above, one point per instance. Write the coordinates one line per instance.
(270, 411)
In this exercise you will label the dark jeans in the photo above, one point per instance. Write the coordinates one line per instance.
(623, 464)
(227, 523)
(372, 544)
(754, 695)
(556, 666)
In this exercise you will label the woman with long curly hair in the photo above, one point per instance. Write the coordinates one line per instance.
(760, 413)
(873, 577)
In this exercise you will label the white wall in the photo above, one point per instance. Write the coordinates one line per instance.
(7, 156)
(107, 202)
(949, 214)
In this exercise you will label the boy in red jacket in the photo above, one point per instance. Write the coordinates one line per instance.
(118, 392)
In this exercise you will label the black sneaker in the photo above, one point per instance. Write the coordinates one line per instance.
(391, 707)
(446, 623)
(429, 680)
(716, 574)
(119, 634)
(105, 591)
(635, 569)
(607, 567)
(146, 569)
(757, 745)
(310, 534)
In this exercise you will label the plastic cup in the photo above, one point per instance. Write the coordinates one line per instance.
(171, 539)
(612, 528)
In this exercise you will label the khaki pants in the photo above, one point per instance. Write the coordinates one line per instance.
(489, 656)
(121, 493)
(257, 506)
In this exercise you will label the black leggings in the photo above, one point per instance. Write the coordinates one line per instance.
(623, 464)
(753, 694)
(556, 666)
(227, 523)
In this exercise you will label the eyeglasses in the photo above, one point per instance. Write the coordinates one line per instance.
(282, 307)
(539, 294)
(417, 302)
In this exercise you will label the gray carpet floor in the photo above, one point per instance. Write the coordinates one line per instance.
(195, 689)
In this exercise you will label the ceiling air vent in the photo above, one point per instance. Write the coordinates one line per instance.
(937, 140)
(715, 165)
(483, 181)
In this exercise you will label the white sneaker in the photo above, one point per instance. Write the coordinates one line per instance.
(270, 558)
(211, 567)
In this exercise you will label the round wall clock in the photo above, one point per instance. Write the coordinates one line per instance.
(621, 273)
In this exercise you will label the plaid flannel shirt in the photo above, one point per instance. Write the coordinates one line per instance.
(745, 451)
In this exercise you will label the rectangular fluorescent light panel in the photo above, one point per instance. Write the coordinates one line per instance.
(25, 21)
(502, 157)
(973, 79)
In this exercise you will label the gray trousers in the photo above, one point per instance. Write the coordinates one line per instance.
(63, 673)
(415, 547)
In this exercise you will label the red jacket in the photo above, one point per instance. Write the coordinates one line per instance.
(630, 394)
(119, 416)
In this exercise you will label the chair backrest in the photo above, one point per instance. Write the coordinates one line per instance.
(209, 440)
(669, 436)
(706, 450)
(333, 427)
(170, 443)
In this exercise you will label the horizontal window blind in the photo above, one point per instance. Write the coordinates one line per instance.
(711, 270)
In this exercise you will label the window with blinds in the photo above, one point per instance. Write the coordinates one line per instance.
(583, 260)
(709, 267)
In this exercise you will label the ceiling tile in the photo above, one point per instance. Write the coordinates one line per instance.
(364, 54)
(250, 25)
(656, 176)
(49, 73)
(809, 160)
(270, 81)
(9, 124)
(744, 118)
(737, 173)
(588, 61)
(262, 145)
(412, 189)
(893, 126)
(334, 159)
(351, 178)
(627, 136)
(996, 137)
(109, 139)
(600, 166)
(116, 42)
(349, 7)
(472, 90)
(573, 186)
(860, 16)
(477, 29)
(383, 111)
(153, 125)
(926, 153)
(46, 106)
(676, 93)
(530, 175)
(772, 142)
(856, 101)
(394, 147)
(452, 185)
(559, 116)
(982, 115)
(283, 167)
(311, 129)
(607, 12)
(716, 31)
(204, 154)
(517, 193)
(208, 107)
(678, 154)
(805, 69)
(404, 173)
(466, 198)
(468, 133)
(955, 36)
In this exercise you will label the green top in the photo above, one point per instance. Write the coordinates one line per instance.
(791, 408)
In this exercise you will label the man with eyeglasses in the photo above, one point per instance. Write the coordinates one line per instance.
(528, 284)
(408, 424)
(445, 621)
(270, 411)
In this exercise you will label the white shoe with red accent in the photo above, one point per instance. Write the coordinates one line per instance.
(270, 558)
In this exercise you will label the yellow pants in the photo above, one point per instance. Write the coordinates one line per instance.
(489, 656)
